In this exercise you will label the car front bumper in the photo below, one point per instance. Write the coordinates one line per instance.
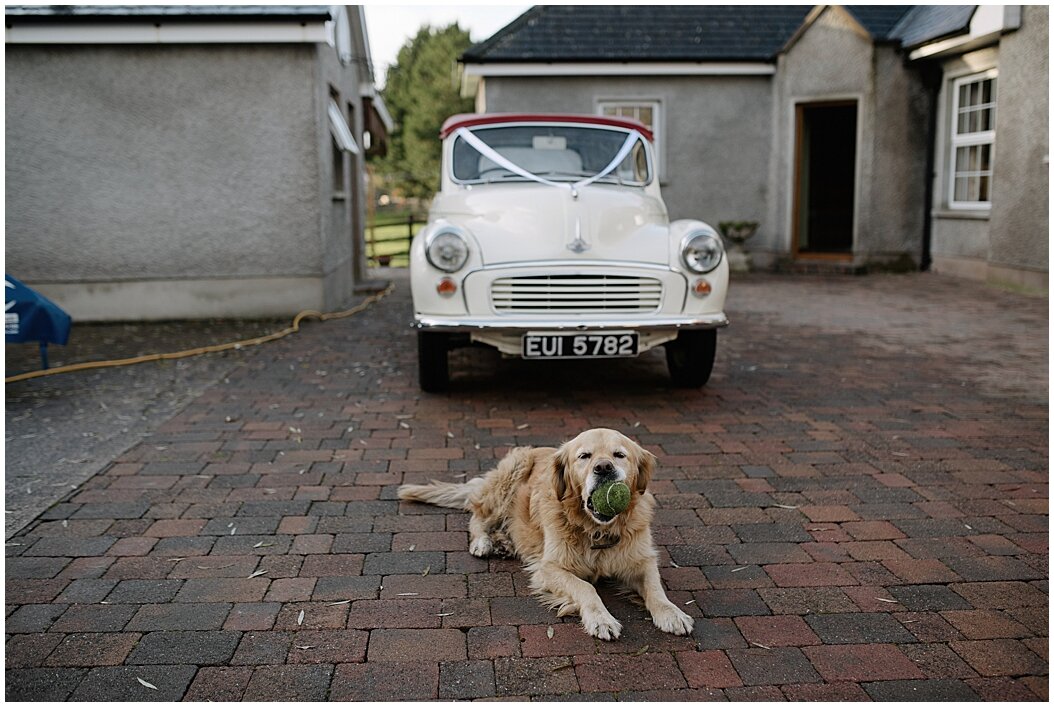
(508, 325)
(506, 334)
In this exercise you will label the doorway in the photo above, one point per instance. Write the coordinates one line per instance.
(825, 179)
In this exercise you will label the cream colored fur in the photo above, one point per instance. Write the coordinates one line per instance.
(535, 505)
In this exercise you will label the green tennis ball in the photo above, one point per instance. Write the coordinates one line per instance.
(610, 498)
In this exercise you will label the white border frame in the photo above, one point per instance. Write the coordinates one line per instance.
(985, 138)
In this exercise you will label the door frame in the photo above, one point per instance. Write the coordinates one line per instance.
(799, 107)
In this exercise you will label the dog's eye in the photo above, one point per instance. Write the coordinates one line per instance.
(585, 455)
(620, 455)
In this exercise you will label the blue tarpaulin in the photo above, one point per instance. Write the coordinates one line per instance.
(30, 316)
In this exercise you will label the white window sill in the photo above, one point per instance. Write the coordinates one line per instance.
(340, 196)
(964, 214)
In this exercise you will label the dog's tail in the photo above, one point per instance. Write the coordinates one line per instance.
(441, 493)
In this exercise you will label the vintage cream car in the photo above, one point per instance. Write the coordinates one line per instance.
(549, 240)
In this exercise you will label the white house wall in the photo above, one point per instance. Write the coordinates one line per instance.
(162, 164)
(716, 134)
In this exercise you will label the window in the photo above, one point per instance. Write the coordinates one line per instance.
(559, 153)
(972, 140)
(646, 112)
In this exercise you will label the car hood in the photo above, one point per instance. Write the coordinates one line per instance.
(530, 222)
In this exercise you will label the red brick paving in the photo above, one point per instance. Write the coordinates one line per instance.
(845, 518)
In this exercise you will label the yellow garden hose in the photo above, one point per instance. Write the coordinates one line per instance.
(292, 329)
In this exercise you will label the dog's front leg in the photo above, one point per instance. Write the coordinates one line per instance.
(567, 589)
(664, 613)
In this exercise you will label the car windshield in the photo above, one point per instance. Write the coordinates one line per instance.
(557, 153)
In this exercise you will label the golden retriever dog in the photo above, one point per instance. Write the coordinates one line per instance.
(536, 505)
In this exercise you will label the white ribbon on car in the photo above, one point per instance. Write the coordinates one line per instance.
(503, 162)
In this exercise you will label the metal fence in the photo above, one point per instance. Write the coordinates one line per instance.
(388, 239)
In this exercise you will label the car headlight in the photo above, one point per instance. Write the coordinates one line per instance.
(447, 250)
(701, 252)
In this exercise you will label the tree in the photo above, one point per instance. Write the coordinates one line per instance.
(421, 91)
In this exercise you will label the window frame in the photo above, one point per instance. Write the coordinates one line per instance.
(956, 141)
(658, 146)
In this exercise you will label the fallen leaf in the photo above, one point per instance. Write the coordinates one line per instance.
(217, 567)
(550, 632)
(304, 648)
(642, 650)
(738, 569)
(760, 646)
(263, 544)
(427, 570)
(888, 601)
(338, 603)
(233, 530)
(175, 559)
(449, 613)
(257, 573)
(144, 683)
(523, 426)
(450, 435)
(406, 594)
(690, 601)
(404, 425)
(674, 564)
(411, 548)
(563, 667)
(780, 505)
(300, 618)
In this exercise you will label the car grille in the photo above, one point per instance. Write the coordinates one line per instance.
(540, 294)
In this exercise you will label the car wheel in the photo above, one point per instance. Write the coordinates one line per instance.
(432, 367)
(690, 357)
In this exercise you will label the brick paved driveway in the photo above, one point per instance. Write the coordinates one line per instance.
(854, 508)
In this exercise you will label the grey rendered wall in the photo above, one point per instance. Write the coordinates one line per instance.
(341, 216)
(135, 163)
(960, 241)
(897, 215)
(1020, 218)
(834, 60)
(716, 134)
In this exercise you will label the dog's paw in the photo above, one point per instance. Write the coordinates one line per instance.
(602, 625)
(481, 546)
(670, 619)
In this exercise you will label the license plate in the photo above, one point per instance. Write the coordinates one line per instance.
(622, 344)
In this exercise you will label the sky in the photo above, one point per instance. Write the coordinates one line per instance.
(389, 26)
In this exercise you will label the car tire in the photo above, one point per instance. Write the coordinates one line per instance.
(433, 367)
(690, 357)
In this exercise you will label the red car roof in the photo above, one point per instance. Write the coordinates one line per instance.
(468, 120)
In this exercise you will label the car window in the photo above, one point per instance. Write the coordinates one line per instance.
(555, 152)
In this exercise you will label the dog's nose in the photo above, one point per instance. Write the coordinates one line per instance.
(604, 467)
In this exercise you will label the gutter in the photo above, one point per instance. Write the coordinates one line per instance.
(932, 75)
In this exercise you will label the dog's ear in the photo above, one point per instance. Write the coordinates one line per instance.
(645, 467)
(560, 472)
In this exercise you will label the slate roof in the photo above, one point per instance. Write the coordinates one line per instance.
(926, 23)
(643, 33)
(878, 20)
(140, 13)
(570, 33)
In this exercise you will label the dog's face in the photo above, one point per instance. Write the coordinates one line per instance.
(597, 456)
